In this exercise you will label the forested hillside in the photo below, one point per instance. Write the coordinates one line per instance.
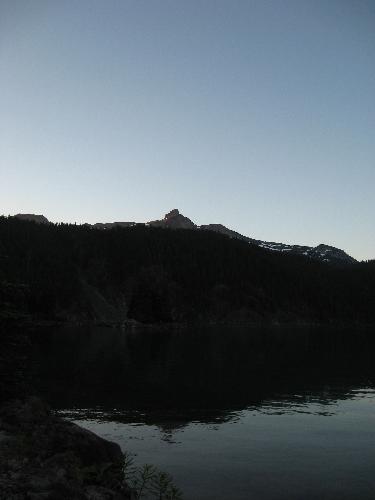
(156, 275)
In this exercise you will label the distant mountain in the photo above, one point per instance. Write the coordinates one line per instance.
(175, 220)
(322, 252)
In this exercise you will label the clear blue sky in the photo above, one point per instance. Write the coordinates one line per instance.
(256, 114)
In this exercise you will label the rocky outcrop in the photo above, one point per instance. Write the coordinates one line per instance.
(39, 219)
(45, 457)
(174, 220)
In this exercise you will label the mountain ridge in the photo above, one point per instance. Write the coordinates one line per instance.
(175, 220)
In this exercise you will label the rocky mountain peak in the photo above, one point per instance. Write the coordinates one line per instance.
(174, 220)
(328, 253)
(172, 213)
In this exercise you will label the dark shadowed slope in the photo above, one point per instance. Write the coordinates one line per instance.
(158, 275)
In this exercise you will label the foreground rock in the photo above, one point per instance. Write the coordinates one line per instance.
(45, 457)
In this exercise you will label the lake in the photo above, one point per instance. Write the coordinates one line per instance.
(230, 413)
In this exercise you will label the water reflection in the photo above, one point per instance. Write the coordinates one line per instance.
(230, 413)
(282, 448)
(217, 370)
(325, 403)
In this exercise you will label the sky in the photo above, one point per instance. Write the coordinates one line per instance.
(256, 114)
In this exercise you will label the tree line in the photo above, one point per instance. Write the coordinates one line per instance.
(66, 272)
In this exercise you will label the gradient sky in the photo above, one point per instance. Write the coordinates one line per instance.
(258, 114)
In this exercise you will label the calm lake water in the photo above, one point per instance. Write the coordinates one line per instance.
(230, 413)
